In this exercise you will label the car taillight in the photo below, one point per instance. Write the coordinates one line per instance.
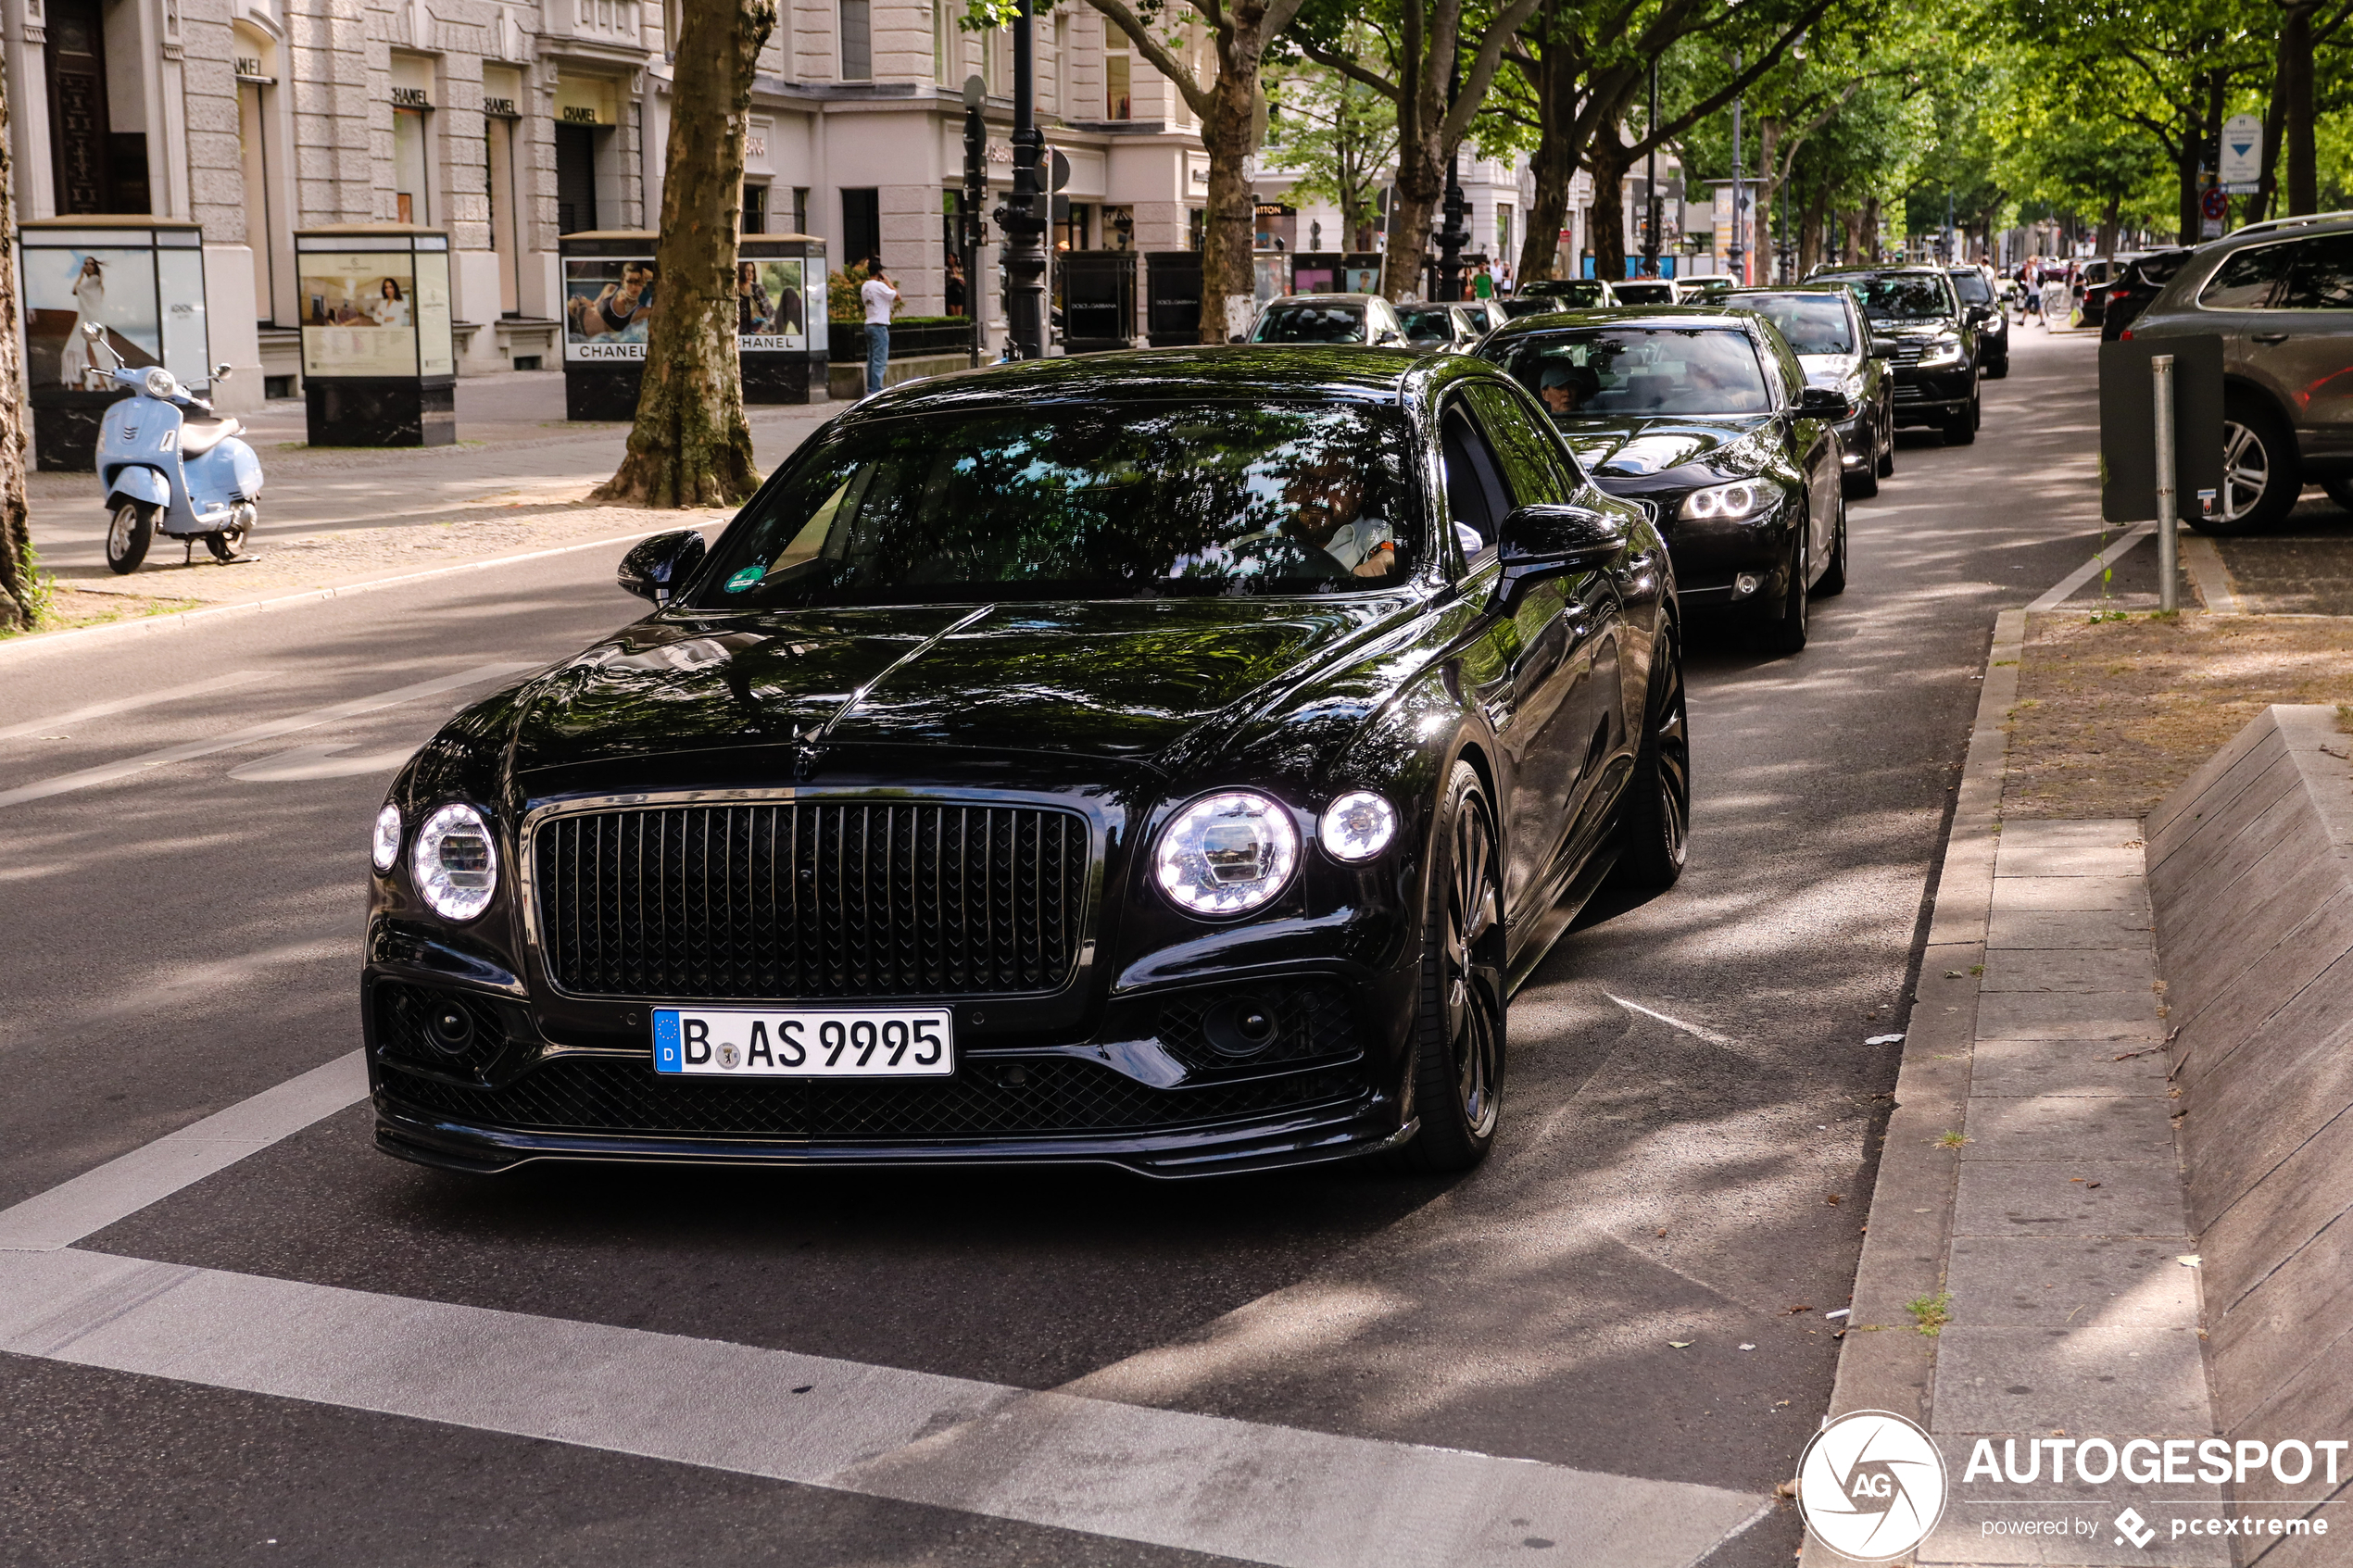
(2125, 336)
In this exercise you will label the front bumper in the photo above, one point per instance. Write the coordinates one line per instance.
(1711, 558)
(1931, 397)
(1858, 439)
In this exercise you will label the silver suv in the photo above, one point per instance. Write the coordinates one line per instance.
(2281, 297)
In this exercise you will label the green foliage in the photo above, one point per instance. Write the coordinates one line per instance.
(1338, 135)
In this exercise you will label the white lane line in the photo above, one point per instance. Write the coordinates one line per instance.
(252, 732)
(1262, 1494)
(2065, 588)
(153, 1171)
(211, 683)
(1710, 1036)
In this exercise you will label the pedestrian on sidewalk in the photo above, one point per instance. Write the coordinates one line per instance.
(882, 301)
(1483, 282)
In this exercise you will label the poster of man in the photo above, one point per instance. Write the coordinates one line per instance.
(66, 289)
(609, 305)
(358, 315)
(769, 313)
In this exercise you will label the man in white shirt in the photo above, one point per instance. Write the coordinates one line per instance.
(881, 300)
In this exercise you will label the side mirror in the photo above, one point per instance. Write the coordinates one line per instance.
(1824, 403)
(1979, 315)
(1552, 539)
(656, 568)
(221, 372)
(1387, 338)
(1882, 350)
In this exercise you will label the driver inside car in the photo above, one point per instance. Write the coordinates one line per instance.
(1324, 498)
(1561, 388)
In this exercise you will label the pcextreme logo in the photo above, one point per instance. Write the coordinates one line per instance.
(1870, 1486)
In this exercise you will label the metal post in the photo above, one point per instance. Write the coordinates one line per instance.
(1024, 227)
(1454, 234)
(970, 233)
(1651, 207)
(2168, 590)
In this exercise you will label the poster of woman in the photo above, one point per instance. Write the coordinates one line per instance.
(609, 305)
(356, 318)
(66, 289)
(769, 314)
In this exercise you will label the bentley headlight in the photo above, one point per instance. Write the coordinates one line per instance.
(1227, 853)
(159, 383)
(386, 850)
(1939, 355)
(1742, 497)
(455, 863)
(1357, 826)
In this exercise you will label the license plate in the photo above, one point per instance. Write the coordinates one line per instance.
(804, 1042)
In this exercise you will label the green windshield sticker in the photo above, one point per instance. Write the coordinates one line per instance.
(748, 578)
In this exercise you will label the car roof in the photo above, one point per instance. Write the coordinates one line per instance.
(1347, 373)
(1716, 315)
(1320, 299)
(1915, 268)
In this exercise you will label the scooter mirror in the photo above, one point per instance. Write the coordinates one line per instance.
(221, 371)
(91, 331)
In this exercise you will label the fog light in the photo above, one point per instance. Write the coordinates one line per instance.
(1239, 1026)
(452, 1028)
(1745, 584)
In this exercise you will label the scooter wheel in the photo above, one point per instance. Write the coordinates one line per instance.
(132, 530)
(226, 545)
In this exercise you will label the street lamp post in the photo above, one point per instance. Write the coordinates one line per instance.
(1736, 254)
(1454, 234)
(970, 229)
(1024, 228)
(1652, 206)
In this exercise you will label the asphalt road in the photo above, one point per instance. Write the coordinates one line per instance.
(1690, 1119)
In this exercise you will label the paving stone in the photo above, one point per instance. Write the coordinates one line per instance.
(2071, 1282)
(1963, 1537)
(2077, 929)
(2127, 893)
(2066, 1127)
(2148, 1382)
(2077, 1198)
(2094, 833)
(2077, 859)
(2089, 968)
(2011, 1069)
(2069, 1015)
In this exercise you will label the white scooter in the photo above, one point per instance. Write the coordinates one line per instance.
(165, 460)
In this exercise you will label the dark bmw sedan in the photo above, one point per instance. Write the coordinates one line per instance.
(1169, 760)
(1704, 415)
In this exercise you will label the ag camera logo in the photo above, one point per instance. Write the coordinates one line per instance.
(1870, 1486)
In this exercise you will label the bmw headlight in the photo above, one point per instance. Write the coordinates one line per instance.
(1227, 853)
(455, 863)
(1357, 826)
(1742, 497)
(1939, 355)
(385, 848)
(159, 383)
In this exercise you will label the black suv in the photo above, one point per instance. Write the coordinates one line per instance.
(1933, 340)
(1975, 286)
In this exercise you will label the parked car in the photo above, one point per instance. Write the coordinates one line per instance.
(2280, 295)
(1704, 415)
(1330, 319)
(1438, 326)
(1649, 291)
(1169, 760)
(1825, 329)
(2089, 289)
(1983, 306)
(2130, 292)
(1932, 341)
(1559, 293)
(1710, 289)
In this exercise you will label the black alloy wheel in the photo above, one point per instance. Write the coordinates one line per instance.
(1458, 1037)
(128, 532)
(1998, 369)
(1785, 632)
(2261, 475)
(1832, 581)
(1863, 483)
(1657, 829)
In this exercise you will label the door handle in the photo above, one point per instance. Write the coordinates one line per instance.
(2267, 337)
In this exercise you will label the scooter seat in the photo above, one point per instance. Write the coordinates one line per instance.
(199, 436)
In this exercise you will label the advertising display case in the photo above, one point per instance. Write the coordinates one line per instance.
(1172, 298)
(611, 295)
(141, 280)
(379, 363)
(1332, 272)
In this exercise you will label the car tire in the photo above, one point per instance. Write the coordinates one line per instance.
(2340, 491)
(1832, 581)
(1657, 827)
(1458, 1030)
(2261, 475)
(1887, 448)
(1960, 426)
(1785, 632)
(128, 532)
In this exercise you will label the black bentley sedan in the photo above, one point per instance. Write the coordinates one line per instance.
(1170, 759)
(1702, 414)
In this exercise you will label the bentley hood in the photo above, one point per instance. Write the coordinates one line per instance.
(1634, 447)
(1123, 680)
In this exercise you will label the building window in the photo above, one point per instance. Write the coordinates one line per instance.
(94, 166)
(1193, 221)
(860, 225)
(943, 34)
(409, 163)
(755, 208)
(254, 146)
(1116, 103)
(506, 242)
(1062, 64)
(857, 40)
(800, 209)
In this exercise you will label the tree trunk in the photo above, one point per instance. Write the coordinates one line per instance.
(1554, 165)
(690, 446)
(2259, 204)
(2108, 222)
(1867, 234)
(2295, 90)
(1809, 230)
(2186, 176)
(1228, 291)
(1608, 161)
(18, 600)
